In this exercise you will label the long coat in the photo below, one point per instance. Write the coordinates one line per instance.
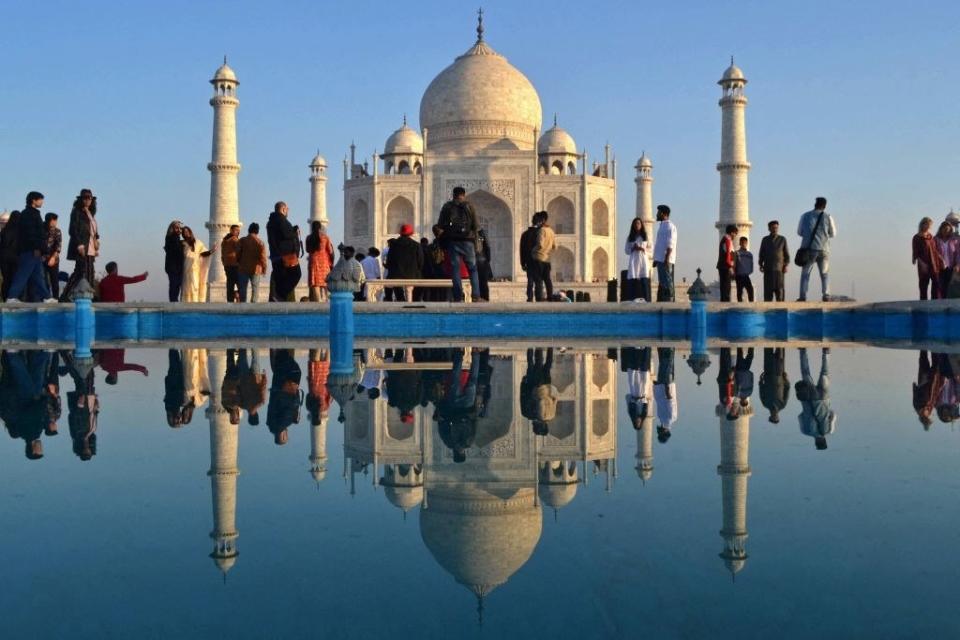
(80, 232)
(774, 255)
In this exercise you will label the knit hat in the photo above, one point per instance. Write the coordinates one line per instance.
(406, 230)
(953, 218)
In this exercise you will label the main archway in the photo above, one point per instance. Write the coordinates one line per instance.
(493, 216)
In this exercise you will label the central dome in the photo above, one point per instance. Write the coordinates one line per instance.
(481, 97)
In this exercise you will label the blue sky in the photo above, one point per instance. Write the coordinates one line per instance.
(857, 101)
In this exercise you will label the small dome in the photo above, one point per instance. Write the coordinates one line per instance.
(403, 140)
(732, 73)
(556, 140)
(558, 495)
(644, 162)
(318, 161)
(318, 473)
(225, 73)
(404, 498)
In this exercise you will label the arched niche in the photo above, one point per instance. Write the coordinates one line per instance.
(494, 216)
(600, 218)
(601, 265)
(562, 217)
(359, 219)
(399, 212)
(562, 265)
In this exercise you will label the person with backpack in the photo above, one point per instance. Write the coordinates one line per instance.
(527, 239)
(458, 224)
(543, 248)
(816, 228)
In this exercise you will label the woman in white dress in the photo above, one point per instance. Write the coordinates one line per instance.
(196, 264)
(638, 252)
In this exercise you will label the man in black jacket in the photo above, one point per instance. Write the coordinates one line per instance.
(527, 241)
(405, 261)
(283, 238)
(458, 224)
(31, 242)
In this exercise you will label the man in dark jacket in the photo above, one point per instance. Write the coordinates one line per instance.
(405, 261)
(458, 223)
(30, 243)
(527, 241)
(173, 260)
(773, 260)
(9, 253)
(283, 239)
(283, 409)
(774, 383)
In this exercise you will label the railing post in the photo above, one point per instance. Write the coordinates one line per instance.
(342, 282)
(698, 361)
(84, 321)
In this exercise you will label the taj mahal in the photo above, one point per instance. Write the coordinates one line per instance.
(481, 127)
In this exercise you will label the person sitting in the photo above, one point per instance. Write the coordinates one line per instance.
(112, 285)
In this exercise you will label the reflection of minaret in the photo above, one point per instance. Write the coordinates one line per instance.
(734, 471)
(318, 449)
(223, 471)
(645, 449)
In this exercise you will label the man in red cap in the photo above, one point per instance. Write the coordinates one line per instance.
(405, 259)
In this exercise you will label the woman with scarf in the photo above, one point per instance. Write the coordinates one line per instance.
(196, 265)
(84, 243)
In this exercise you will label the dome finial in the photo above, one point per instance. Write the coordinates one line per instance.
(731, 59)
(224, 58)
(480, 24)
(404, 119)
(554, 118)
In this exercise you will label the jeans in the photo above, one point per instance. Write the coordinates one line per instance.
(253, 281)
(744, 284)
(53, 278)
(725, 278)
(541, 280)
(82, 270)
(176, 283)
(822, 260)
(232, 274)
(30, 269)
(463, 250)
(529, 270)
(665, 291)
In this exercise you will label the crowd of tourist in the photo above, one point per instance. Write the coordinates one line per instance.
(938, 258)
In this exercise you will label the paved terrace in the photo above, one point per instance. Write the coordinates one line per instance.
(148, 322)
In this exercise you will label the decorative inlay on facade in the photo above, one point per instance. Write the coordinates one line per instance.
(503, 188)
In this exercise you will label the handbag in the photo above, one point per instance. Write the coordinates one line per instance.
(290, 260)
(804, 255)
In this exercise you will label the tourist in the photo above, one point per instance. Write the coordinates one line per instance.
(928, 260)
(743, 271)
(639, 384)
(637, 248)
(948, 247)
(372, 270)
(52, 246)
(405, 262)
(816, 227)
(484, 269)
(927, 389)
(527, 239)
(665, 254)
(229, 253)
(538, 395)
(457, 409)
(726, 382)
(543, 248)
(284, 241)
(435, 261)
(319, 261)
(173, 260)
(9, 254)
(726, 261)
(112, 285)
(84, 246)
(252, 263)
(252, 385)
(196, 265)
(283, 409)
(954, 219)
(83, 407)
(774, 383)
(817, 418)
(458, 223)
(743, 376)
(665, 393)
(30, 244)
(773, 261)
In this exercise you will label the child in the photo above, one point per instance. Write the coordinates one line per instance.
(744, 267)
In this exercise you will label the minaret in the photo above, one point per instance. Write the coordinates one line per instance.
(733, 165)
(318, 191)
(223, 470)
(645, 449)
(318, 449)
(224, 203)
(644, 182)
(734, 471)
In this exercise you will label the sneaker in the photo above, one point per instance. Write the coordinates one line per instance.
(801, 299)
(826, 298)
(51, 301)
(639, 300)
(14, 301)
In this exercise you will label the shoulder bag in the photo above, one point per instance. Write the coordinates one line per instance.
(804, 255)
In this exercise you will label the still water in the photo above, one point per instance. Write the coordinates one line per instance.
(480, 492)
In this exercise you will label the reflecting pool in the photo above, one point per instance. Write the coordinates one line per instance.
(480, 491)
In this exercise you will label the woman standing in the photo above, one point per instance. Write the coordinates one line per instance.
(52, 246)
(928, 260)
(173, 260)
(9, 252)
(946, 243)
(638, 253)
(84, 243)
(196, 264)
(320, 253)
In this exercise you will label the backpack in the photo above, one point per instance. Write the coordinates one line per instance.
(458, 225)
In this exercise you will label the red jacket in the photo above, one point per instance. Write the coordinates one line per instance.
(111, 287)
(726, 255)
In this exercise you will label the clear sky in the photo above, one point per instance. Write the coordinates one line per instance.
(856, 101)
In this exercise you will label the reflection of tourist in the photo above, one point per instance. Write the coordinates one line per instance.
(28, 417)
(639, 384)
(318, 398)
(457, 410)
(743, 376)
(926, 389)
(252, 386)
(665, 393)
(283, 409)
(174, 389)
(83, 407)
(113, 361)
(230, 388)
(538, 396)
(196, 381)
(774, 383)
(948, 396)
(403, 387)
(817, 418)
(726, 381)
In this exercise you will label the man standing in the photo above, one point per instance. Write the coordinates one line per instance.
(229, 256)
(543, 248)
(726, 261)
(665, 254)
(773, 260)
(405, 261)
(458, 224)
(816, 228)
(112, 285)
(284, 241)
(527, 239)
(251, 263)
(30, 242)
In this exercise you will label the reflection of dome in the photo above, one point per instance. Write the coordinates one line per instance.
(480, 95)
(479, 538)
(404, 498)
(225, 563)
(558, 495)
(733, 72)
(225, 73)
(403, 140)
(556, 140)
